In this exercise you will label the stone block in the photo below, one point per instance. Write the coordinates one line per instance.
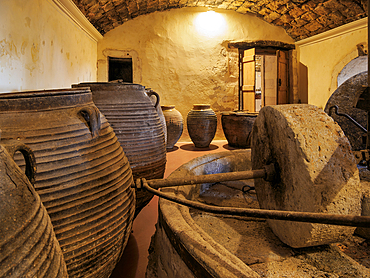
(313, 26)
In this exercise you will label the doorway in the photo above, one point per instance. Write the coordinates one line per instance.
(120, 69)
(264, 78)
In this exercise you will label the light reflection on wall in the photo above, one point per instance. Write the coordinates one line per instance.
(210, 24)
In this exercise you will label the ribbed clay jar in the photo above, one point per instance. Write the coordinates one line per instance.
(174, 123)
(83, 176)
(28, 244)
(136, 123)
(202, 125)
(237, 127)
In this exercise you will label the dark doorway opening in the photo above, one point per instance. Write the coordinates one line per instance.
(120, 69)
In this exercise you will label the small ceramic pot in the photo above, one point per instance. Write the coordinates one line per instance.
(174, 123)
(237, 127)
(202, 125)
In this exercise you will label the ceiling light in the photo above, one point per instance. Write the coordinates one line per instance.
(210, 24)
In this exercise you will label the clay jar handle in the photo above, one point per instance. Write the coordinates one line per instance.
(150, 93)
(91, 114)
(13, 146)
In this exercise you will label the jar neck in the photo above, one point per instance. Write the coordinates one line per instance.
(167, 107)
(201, 106)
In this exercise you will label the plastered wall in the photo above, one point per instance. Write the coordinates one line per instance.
(184, 67)
(41, 47)
(324, 56)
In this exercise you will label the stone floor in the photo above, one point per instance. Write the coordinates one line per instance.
(134, 259)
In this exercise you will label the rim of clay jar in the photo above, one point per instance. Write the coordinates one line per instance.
(239, 113)
(167, 107)
(44, 93)
(87, 84)
(94, 86)
(201, 106)
(115, 93)
(45, 99)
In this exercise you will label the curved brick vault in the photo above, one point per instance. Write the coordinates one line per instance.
(300, 18)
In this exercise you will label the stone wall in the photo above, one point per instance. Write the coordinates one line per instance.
(184, 67)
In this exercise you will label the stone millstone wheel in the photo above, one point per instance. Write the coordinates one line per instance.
(345, 97)
(317, 171)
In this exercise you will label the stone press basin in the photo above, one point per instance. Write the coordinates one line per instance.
(192, 243)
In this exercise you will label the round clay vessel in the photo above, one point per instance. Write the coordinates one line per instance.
(237, 127)
(28, 244)
(136, 123)
(202, 125)
(174, 123)
(84, 179)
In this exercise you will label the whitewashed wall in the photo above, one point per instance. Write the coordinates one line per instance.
(45, 44)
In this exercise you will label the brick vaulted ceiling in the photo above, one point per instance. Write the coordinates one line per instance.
(300, 18)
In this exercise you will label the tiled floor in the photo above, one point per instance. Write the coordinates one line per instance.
(134, 259)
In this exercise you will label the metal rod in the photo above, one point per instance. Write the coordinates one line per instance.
(322, 218)
(335, 107)
(211, 178)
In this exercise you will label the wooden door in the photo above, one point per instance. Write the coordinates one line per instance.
(248, 80)
(282, 78)
(270, 77)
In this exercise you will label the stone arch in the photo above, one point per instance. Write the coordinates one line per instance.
(354, 58)
(354, 67)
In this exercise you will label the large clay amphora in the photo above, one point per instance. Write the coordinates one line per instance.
(136, 123)
(28, 246)
(202, 125)
(84, 179)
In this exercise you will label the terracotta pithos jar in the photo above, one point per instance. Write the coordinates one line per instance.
(136, 123)
(83, 176)
(28, 244)
(174, 124)
(202, 125)
(237, 127)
